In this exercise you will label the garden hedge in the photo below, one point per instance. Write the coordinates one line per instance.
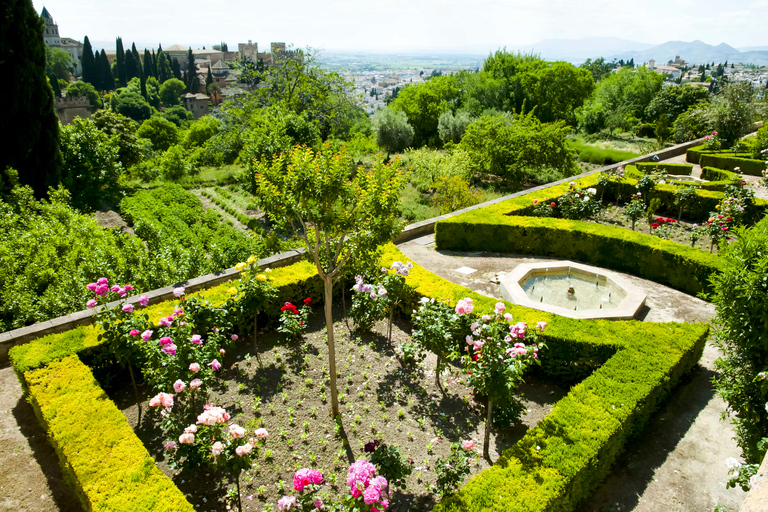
(719, 175)
(102, 459)
(669, 168)
(633, 366)
(725, 159)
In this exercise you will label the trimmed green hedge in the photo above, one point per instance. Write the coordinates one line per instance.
(102, 459)
(669, 168)
(713, 174)
(730, 162)
(633, 365)
(679, 266)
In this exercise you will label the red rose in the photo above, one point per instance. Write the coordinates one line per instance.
(308, 301)
(670, 220)
(553, 205)
(654, 225)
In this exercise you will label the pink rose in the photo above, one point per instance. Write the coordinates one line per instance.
(166, 321)
(128, 308)
(222, 351)
(194, 367)
(468, 445)
(286, 503)
(122, 292)
(178, 292)
(499, 307)
(371, 496)
(128, 288)
(178, 311)
(187, 438)
(143, 300)
(91, 303)
(146, 335)
(217, 449)
(305, 477)
(114, 288)
(541, 325)
(165, 340)
(243, 450)
(134, 332)
(190, 429)
(162, 399)
(170, 349)
(236, 431)
(215, 365)
(170, 445)
(196, 340)
(102, 281)
(261, 433)
(91, 286)
(234, 337)
(196, 383)
(179, 386)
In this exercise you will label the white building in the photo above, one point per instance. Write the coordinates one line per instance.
(51, 38)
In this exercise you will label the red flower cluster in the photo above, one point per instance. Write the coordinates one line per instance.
(308, 302)
(660, 221)
(290, 307)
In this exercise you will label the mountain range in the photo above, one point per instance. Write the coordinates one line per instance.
(694, 52)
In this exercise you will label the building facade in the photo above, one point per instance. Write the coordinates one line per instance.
(51, 38)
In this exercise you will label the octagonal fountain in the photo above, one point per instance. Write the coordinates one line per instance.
(572, 290)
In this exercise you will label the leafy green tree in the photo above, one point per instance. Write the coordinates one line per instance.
(164, 70)
(200, 131)
(59, 62)
(122, 132)
(511, 148)
(673, 101)
(29, 127)
(153, 91)
(84, 89)
(480, 92)
(89, 64)
(556, 90)
(178, 115)
(423, 104)
(160, 131)
(130, 104)
(91, 169)
(175, 164)
(393, 132)
(171, 91)
(692, 124)
(732, 112)
(598, 68)
(451, 126)
(338, 218)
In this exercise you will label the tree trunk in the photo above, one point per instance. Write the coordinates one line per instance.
(239, 503)
(135, 389)
(389, 328)
(680, 214)
(328, 298)
(488, 421)
(437, 373)
(255, 337)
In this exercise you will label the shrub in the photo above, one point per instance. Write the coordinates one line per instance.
(669, 168)
(160, 131)
(760, 144)
(454, 193)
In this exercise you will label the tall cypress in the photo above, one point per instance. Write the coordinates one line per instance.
(120, 62)
(164, 70)
(107, 79)
(176, 67)
(209, 78)
(89, 63)
(154, 64)
(148, 64)
(191, 68)
(131, 68)
(136, 57)
(54, 81)
(29, 127)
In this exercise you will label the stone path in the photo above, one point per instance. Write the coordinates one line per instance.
(678, 463)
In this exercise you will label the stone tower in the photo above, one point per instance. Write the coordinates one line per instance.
(51, 31)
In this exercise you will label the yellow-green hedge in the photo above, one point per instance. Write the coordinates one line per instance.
(102, 459)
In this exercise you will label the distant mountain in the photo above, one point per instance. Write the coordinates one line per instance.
(694, 52)
(753, 49)
(579, 50)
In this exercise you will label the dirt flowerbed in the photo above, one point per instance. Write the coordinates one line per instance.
(284, 388)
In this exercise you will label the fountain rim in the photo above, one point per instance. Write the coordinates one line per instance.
(513, 291)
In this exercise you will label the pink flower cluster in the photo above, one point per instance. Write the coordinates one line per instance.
(402, 268)
(243, 450)
(162, 399)
(101, 287)
(464, 306)
(362, 483)
(286, 503)
(517, 350)
(212, 415)
(305, 477)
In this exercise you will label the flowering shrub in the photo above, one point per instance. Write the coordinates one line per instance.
(389, 462)
(544, 208)
(735, 203)
(497, 357)
(695, 233)
(717, 228)
(293, 320)
(436, 325)
(647, 183)
(635, 210)
(369, 304)
(452, 469)
(764, 179)
(579, 203)
(610, 181)
(712, 141)
(255, 293)
(684, 197)
(660, 227)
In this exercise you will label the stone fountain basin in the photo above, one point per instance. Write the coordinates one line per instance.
(685, 178)
(512, 289)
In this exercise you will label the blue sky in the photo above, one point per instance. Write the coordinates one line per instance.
(469, 26)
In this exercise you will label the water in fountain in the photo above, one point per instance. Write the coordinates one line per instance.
(588, 292)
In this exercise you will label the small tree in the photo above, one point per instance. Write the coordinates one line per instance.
(393, 132)
(339, 213)
(171, 91)
(684, 197)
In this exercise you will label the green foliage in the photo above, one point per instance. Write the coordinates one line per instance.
(176, 164)
(122, 132)
(598, 68)
(393, 132)
(726, 160)
(84, 89)
(634, 211)
(712, 174)
(451, 126)
(732, 112)
(30, 127)
(91, 169)
(171, 90)
(741, 297)
(600, 156)
(428, 166)
(58, 62)
(423, 104)
(368, 305)
(691, 124)
(160, 131)
(130, 104)
(760, 144)
(508, 148)
(452, 470)
(390, 463)
(101, 458)
(578, 203)
(673, 101)
(669, 168)
(178, 115)
(454, 193)
(201, 131)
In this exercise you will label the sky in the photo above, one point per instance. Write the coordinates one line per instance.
(389, 26)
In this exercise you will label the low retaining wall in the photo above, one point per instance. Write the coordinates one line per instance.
(22, 335)
(757, 498)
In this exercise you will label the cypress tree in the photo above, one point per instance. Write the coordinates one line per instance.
(154, 64)
(29, 127)
(131, 68)
(176, 68)
(120, 62)
(164, 71)
(209, 78)
(54, 81)
(107, 80)
(147, 64)
(89, 63)
(191, 68)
